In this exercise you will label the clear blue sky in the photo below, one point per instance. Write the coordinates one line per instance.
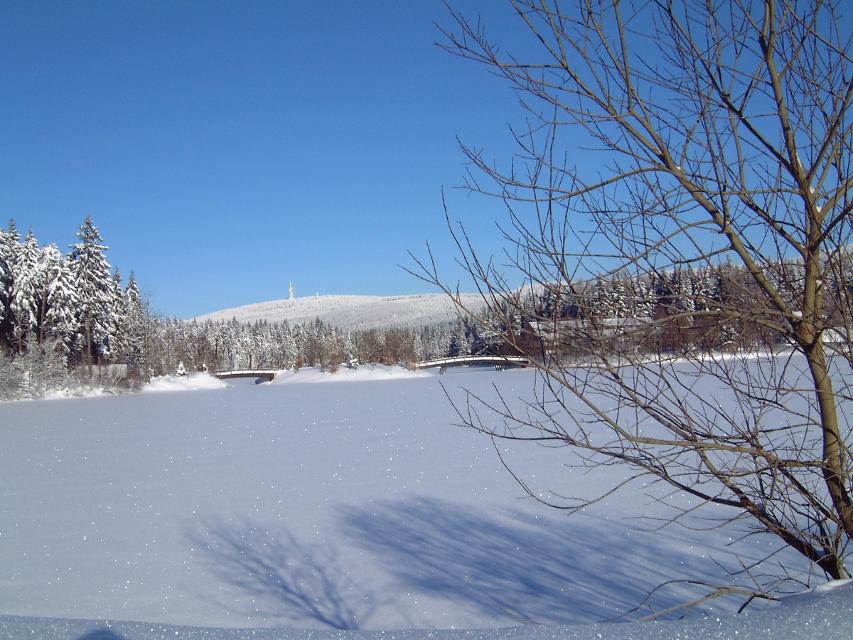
(227, 148)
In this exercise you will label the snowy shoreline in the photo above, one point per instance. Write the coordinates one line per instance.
(202, 381)
(370, 372)
(199, 381)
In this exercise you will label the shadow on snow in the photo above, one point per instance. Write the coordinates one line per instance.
(101, 634)
(521, 568)
(511, 568)
(285, 578)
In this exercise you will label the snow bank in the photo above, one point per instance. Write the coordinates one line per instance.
(66, 393)
(364, 373)
(815, 594)
(77, 392)
(192, 382)
(821, 614)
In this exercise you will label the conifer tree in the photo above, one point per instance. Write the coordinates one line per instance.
(134, 324)
(118, 335)
(23, 303)
(9, 251)
(57, 299)
(96, 312)
(5, 282)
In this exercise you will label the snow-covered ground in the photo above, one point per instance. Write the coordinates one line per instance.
(352, 312)
(191, 382)
(364, 373)
(825, 615)
(323, 506)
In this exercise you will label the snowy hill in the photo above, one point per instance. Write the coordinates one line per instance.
(352, 312)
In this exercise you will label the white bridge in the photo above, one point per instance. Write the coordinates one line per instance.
(267, 374)
(499, 362)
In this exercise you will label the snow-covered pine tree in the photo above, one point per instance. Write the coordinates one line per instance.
(662, 294)
(619, 294)
(417, 345)
(458, 345)
(96, 311)
(548, 304)
(10, 248)
(118, 336)
(702, 289)
(287, 352)
(5, 277)
(24, 304)
(642, 299)
(600, 305)
(57, 299)
(681, 291)
(134, 324)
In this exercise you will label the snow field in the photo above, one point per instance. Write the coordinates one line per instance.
(318, 506)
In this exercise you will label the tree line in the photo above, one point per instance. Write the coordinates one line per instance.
(62, 312)
(73, 304)
(660, 313)
(73, 310)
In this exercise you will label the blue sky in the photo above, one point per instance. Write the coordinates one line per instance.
(227, 148)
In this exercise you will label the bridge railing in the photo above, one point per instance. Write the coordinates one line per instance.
(518, 361)
(246, 373)
(498, 361)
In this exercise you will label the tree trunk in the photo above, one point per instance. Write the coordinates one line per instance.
(835, 473)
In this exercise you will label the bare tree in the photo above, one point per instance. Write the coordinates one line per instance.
(664, 137)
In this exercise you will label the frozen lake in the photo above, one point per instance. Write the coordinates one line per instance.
(355, 504)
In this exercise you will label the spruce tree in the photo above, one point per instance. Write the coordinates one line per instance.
(10, 248)
(134, 325)
(23, 303)
(118, 335)
(96, 311)
(57, 299)
(5, 281)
